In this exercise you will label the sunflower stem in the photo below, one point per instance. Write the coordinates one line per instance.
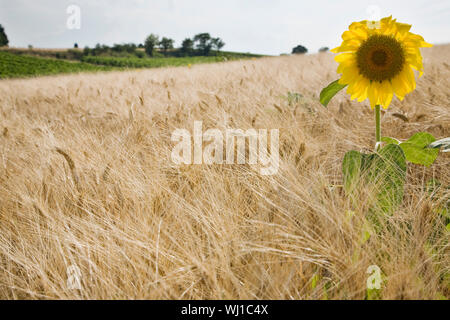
(377, 127)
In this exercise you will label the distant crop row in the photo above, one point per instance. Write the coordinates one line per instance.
(20, 65)
(12, 65)
(150, 62)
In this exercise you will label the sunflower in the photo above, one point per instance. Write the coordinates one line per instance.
(377, 62)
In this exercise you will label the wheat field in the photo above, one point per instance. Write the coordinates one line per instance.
(86, 180)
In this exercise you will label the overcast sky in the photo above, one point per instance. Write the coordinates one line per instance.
(258, 26)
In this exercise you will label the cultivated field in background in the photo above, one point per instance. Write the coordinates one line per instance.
(86, 179)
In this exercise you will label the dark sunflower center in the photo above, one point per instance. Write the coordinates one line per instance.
(380, 58)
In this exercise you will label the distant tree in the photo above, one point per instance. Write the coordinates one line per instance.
(30, 47)
(217, 43)
(166, 44)
(203, 43)
(126, 47)
(187, 46)
(130, 47)
(117, 48)
(140, 46)
(3, 37)
(324, 49)
(99, 49)
(150, 43)
(75, 45)
(86, 51)
(299, 50)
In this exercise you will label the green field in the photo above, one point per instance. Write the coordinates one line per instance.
(151, 62)
(16, 66)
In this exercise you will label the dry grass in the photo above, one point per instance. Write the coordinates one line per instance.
(86, 179)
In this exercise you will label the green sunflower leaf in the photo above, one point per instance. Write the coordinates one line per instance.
(330, 91)
(386, 170)
(421, 139)
(351, 167)
(389, 140)
(390, 171)
(418, 155)
(416, 149)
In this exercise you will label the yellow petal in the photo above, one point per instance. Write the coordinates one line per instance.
(388, 26)
(403, 27)
(349, 63)
(346, 46)
(400, 86)
(415, 62)
(363, 94)
(387, 93)
(344, 57)
(386, 20)
(358, 89)
(409, 77)
(349, 75)
(412, 39)
(373, 94)
(334, 50)
(359, 34)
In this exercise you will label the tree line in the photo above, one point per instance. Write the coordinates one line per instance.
(202, 44)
